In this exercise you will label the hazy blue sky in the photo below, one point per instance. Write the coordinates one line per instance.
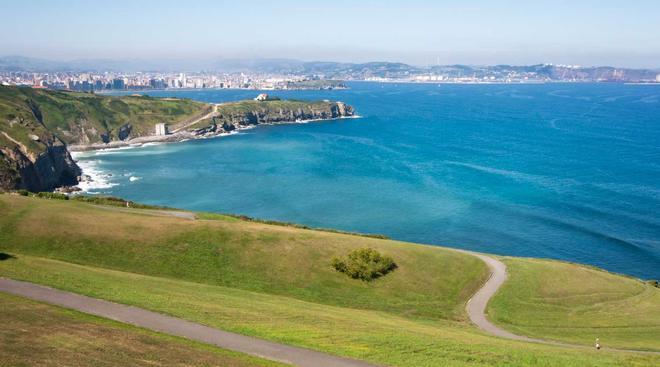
(624, 33)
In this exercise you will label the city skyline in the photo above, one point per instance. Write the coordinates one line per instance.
(416, 32)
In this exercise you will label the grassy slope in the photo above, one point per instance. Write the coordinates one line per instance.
(379, 337)
(64, 113)
(37, 334)
(430, 281)
(555, 300)
(381, 331)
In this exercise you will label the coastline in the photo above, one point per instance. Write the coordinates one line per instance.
(184, 136)
(95, 179)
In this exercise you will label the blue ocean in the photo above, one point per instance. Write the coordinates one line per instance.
(562, 171)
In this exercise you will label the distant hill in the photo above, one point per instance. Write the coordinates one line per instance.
(334, 70)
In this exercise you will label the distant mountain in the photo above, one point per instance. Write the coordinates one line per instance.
(337, 70)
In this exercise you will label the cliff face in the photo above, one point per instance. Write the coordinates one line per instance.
(53, 168)
(238, 115)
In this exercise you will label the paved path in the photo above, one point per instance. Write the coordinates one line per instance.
(175, 326)
(476, 308)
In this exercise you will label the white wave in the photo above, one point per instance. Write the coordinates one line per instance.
(99, 180)
(107, 151)
(134, 178)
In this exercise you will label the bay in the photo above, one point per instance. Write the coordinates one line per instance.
(562, 171)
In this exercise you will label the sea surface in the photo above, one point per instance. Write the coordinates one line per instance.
(562, 171)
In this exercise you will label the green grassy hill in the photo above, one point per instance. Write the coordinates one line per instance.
(81, 118)
(430, 281)
(276, 282)
(577, 304)
(36, 334)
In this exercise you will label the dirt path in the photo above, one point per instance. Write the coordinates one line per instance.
(179, 327)
(185, 125)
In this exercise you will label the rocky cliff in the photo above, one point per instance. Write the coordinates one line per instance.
(237, 115)
(52, 168)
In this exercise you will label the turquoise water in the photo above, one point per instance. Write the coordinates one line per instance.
(558, 170)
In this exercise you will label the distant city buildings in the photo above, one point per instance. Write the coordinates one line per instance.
(118, 84)
(325, 78)
(98, 82)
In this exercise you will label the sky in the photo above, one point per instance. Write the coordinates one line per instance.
(578, 32)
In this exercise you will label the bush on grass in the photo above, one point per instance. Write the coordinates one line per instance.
(365, 264)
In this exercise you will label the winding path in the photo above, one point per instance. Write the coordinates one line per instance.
(476, 308)
(297, 356)
(174, 326)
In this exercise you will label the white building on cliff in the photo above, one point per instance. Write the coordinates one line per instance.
(161, 129)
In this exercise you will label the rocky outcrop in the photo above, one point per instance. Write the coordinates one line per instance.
(124, 131)
(53, 168)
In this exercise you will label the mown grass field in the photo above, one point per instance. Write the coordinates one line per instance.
(576, 304)
(276, 282)
(36, 334)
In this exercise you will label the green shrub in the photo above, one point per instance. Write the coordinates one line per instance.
(23, 192)
(52, 195)
(365, 264)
